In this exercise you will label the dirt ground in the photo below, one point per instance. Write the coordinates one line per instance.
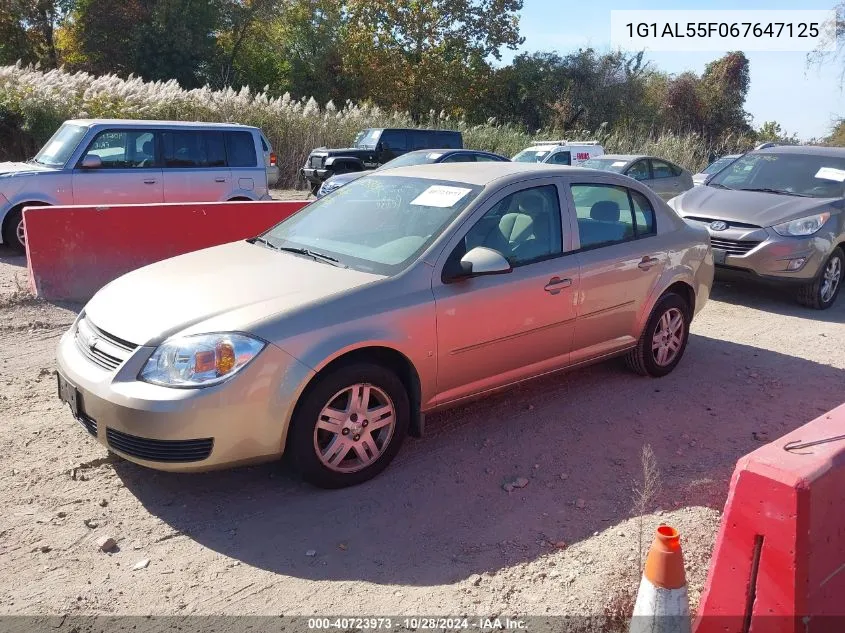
(436, 533)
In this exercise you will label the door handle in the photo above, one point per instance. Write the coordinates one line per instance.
(150, 182)
(556, 284)
(219, 180)
(648, 262)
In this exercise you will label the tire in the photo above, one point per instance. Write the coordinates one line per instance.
(13, 220)
(818, 294)
(314, 188)
(647, 361)
(310, 447)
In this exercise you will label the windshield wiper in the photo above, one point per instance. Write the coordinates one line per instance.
(780, 192)
(307, 251)
(719, 185)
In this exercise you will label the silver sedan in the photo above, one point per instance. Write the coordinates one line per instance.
(666, 179)
(330, 336)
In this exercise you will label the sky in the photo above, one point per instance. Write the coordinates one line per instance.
(804, 100)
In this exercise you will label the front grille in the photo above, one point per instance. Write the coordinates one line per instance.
(734, 247)
(89, 423)
(160, 450)
(101, 348)
(732, 224)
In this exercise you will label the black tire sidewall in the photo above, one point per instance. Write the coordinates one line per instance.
(666, 303)
(10, 230)
(300, 444)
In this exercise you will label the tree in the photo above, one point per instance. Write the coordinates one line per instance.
(771, 131)
(837, 136)
(28, 30)
(834, 39)
(416, 55)
(723, 88)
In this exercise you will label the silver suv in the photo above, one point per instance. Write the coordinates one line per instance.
(128, 162)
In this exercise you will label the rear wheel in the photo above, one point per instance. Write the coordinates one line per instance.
(822, 293)
(349, 425)
(664, 339)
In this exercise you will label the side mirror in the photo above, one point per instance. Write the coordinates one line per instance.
(482, 261)
(92, 161)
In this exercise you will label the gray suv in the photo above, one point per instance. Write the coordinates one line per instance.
(92, 162)
(777, 214)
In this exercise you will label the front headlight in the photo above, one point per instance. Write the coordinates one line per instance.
(802, 226)
(200, 360)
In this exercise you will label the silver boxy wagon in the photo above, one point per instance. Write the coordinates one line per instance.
(135, 162)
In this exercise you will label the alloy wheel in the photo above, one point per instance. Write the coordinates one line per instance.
(20, 232)
(668, 337)
(354, 428)
(832, 277)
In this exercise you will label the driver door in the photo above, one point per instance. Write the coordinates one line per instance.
(498, 329)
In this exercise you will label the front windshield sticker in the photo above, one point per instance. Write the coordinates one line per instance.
(53, 148)
(542, 153)
(440, 196)
(618, 163)
(433, 156)
(831, 173)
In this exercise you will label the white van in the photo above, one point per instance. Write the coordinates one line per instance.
(560, 152)
(93, 162)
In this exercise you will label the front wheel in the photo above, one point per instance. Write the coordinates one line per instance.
(13, 232)
(349, 425)
(822, 293)
(664, 338)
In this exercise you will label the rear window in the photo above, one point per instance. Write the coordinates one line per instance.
(240, 149)
(449, 140)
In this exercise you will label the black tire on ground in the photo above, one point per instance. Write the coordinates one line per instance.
(642, 359)
(314, 188)
(10, 230)
(301, 446)
(811, 294)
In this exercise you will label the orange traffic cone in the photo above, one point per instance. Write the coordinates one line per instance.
(662, 604)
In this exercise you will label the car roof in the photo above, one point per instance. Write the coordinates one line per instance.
(413, 129)
(454, 150)
(482, 174)
(810, 150)
(551, 146)
(145, 123)
(625, 157)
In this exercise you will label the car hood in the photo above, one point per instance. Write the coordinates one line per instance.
(342, 151)
(13, 168)
(750, 207)
(235, 285)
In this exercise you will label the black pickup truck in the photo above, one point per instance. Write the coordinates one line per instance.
(372, 148)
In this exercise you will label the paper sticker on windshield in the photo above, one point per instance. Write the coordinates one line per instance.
(53, 148)
(831, 173)
(433, 155)
(440, 196)
(542, 153)
(619, 163)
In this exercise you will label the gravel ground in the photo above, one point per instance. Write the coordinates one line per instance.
(436, 533)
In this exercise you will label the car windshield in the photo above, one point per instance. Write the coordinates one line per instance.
(412, 158)
(605, 164)
(378, 223)
(531, 156)
(810, 175)
(58, 149)
(367, 139)
(718, 165)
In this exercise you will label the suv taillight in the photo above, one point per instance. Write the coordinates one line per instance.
(272, 159)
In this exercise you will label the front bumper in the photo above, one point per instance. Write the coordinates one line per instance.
(763, 253)
(242, 420)
(315, 176)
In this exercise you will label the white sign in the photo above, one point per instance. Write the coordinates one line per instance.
(831, 173)
(433, 156)
(542, 153)
(440, 196)
(619, 163)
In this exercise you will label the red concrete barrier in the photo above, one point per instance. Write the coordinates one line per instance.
(74, 251)
(779, 561)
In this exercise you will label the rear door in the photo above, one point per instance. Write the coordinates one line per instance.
(130, 171)
(621, 260)
(665, 179)
(246, 164)
(393, 144)
(195, 166)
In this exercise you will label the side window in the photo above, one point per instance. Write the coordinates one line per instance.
(604, 215)
(525, 227)
(639, 170)
(394, 140)
(215, 149)
(124, 149)
(661, 169)
(421, 140)
(240, 149)
(643, 214)
(561, 158)
(184, 149)
(459, 158)
(483, 158)
(447, 140)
